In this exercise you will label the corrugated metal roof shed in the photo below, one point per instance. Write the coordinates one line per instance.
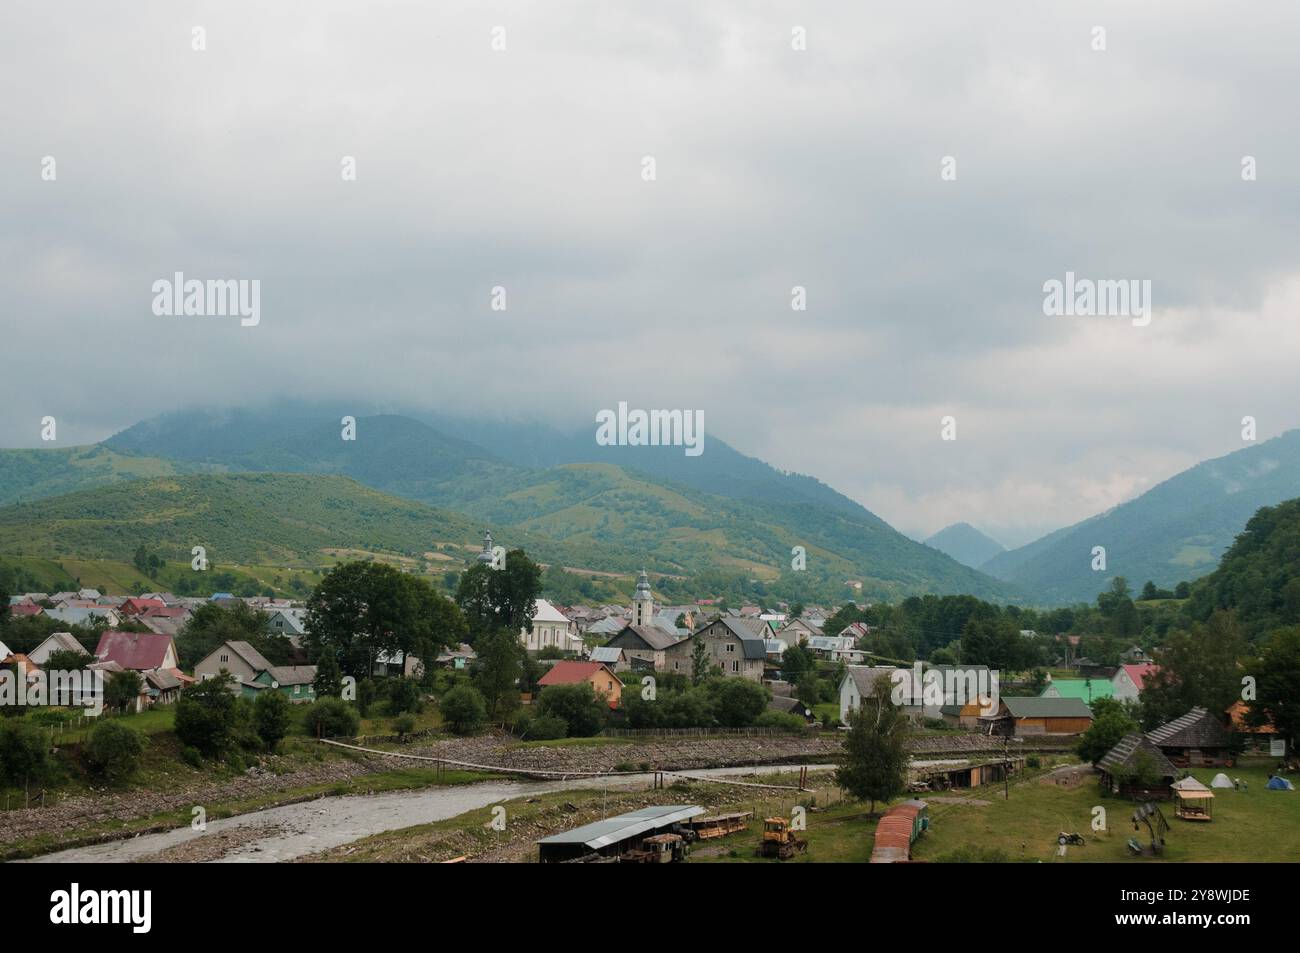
(620, 828)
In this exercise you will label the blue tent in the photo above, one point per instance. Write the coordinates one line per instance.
(1280, 784)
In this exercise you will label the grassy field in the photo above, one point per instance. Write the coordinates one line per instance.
(1256, 825)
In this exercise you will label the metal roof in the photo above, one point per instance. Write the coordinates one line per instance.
(620, 828)
(1040, 707)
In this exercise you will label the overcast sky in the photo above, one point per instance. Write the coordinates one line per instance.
(775, 167)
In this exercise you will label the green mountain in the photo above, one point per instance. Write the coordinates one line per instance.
(1175, 531)
(616, 510)
(36, 474)
(1259, 575)
(965, 544)
(251, 518)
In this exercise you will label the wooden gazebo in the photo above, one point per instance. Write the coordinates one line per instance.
(1192, 800)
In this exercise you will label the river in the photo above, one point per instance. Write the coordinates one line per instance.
(296, 830)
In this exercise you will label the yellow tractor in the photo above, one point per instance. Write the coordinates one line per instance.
(779, 840)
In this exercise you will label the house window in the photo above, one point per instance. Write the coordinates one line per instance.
(735, 666)
(297, 689)
(731, 646)
(225, 658)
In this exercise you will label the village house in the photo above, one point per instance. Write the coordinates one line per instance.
(1128, 681)
(797, 631)
(254, 673)
(788, 705)
(1036, 715)
(859, 682)
(137, 651)
(1137, 768)
(737, 646)
(600, 676)
(58, 642)
(85, 616)
(291, 623)
(1263, 737)
(644, 646)
(1197, 739)
(457, 658)
(611, 655)
(1087, 689)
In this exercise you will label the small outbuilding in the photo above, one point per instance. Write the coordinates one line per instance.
(1193, 801)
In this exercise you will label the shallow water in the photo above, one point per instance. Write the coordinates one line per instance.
(295, 830)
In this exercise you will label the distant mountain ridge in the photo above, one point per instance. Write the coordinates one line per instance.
(602, 507)
(966, 544)
(1176, 531)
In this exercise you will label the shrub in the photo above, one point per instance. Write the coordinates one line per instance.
(113, 751)
(24, 754)
(545, 728)
(404, 724)
(583, 711)
(192, 756)
(786, 721)
(206, 716)
(331, 717)
(122, 689)
(463, 709)
(404, 695)
(271, 717)
(1033, 761)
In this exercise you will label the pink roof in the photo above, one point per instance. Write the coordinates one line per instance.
(25, 608)
(1139, 673)
(139, 651)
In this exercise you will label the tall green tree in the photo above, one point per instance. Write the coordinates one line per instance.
(497, 670)
(361, 609)
(875, 750)
(500, 598)
(1198, 667)
(1279, 683)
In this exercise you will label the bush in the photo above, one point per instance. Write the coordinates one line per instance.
(192, 756)
(404, 695)
(121, 689)
(404, 724)
(113, 751)
(24, 754)
(271, 717)
(206, 716)
(583, 711)
(786, 721)
(333, 718)
(1033, 761)
(545, 728)
(738, 701)
(463, 709)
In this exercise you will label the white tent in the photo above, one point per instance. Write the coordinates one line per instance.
(1221, 780)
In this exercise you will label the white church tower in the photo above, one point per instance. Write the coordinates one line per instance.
(643, 606)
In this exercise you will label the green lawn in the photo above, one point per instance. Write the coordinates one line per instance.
(1252, 825)
(1256, 825)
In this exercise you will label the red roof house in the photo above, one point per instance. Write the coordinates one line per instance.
(138, 651)
(597, 674)
(1129, 680)
(137, 604)
(20, 609)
